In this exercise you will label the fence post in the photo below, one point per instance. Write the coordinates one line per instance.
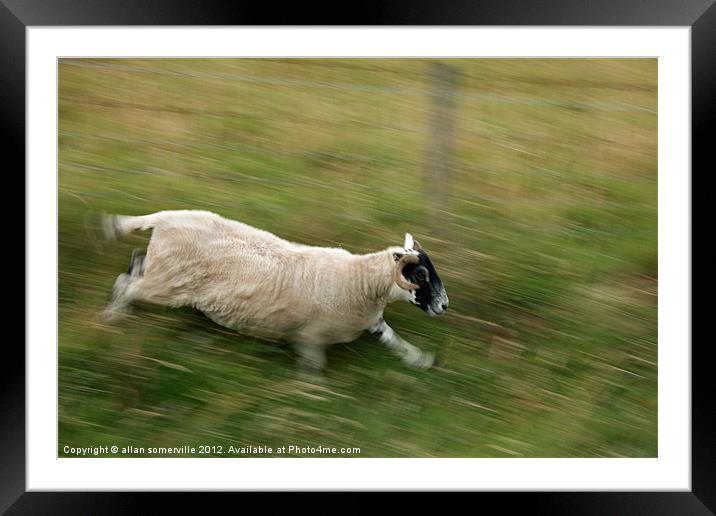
(439, 161)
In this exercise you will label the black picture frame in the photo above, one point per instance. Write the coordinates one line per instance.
(17, 15)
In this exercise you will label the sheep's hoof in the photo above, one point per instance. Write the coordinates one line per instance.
(423, 360)
(109, 226)
(111, 315)
(310, 377)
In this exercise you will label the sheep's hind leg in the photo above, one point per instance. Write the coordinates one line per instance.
(124, 289)
(136, 263)
(410, 354)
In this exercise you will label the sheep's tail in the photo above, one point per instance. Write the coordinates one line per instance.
(114, 226)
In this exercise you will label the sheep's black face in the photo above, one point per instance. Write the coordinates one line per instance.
(431, 297)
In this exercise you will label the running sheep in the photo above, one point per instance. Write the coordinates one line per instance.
(256, 283)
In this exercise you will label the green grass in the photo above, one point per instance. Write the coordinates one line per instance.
(547, 245)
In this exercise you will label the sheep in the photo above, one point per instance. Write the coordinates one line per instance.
(258, 284)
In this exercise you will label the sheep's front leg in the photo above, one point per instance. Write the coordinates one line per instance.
(311, 358)
(411, 355)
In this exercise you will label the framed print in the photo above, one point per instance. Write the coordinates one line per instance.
(224, 224)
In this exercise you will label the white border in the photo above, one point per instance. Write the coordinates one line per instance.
(670, 471)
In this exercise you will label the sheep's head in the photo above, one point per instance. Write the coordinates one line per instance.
(415, 273)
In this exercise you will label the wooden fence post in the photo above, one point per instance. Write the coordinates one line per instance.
(439, 162)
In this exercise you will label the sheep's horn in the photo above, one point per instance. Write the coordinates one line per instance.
(405, 260)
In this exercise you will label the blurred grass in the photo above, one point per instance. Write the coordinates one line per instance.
(547, 247)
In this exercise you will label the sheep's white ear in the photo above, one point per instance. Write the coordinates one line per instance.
(408, 241)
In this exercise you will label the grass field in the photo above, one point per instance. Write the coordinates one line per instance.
(545, 238)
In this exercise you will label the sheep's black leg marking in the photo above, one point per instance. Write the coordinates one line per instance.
(136, 263)
(410, 354)
(378, 328)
